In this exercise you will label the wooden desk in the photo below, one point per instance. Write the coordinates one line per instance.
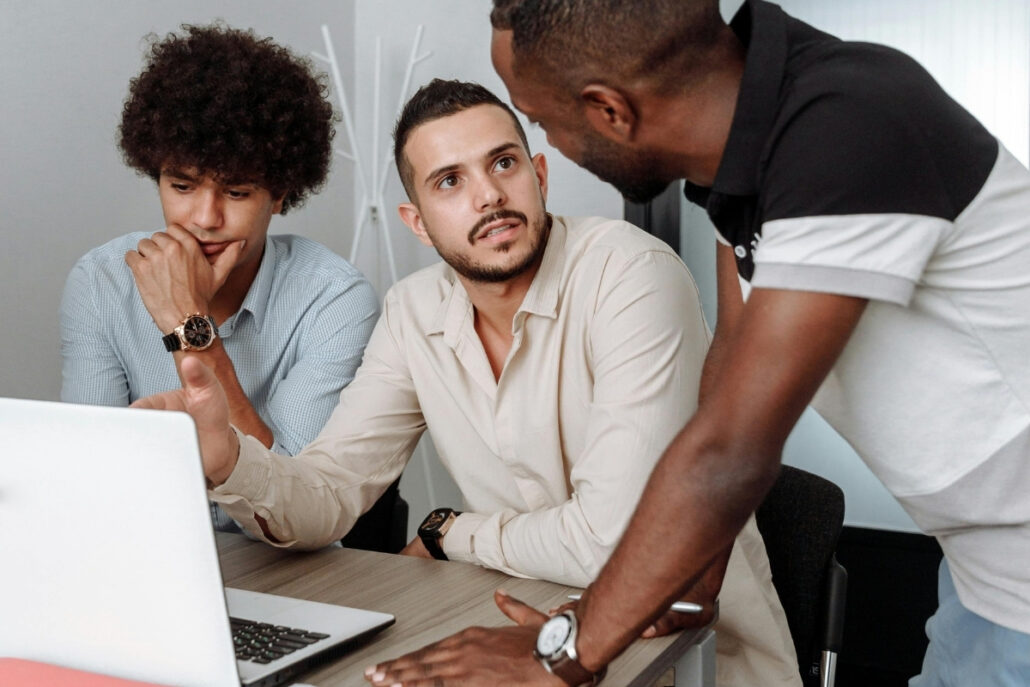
(431, 600)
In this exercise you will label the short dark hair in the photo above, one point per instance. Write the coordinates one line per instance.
(440, 98)
(572, 42)
(233, 105)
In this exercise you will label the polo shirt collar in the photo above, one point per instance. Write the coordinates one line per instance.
(762, 28)
(455, 311)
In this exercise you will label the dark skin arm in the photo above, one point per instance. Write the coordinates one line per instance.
(770, 358)
(719, 467)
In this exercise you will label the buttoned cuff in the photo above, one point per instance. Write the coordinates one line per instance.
(458, 543)
(250, 476)
(246, 485)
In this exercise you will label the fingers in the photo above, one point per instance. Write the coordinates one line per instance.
(430, 665)
(169, 400)
(672, 621)
(518, 611)
(226, 260)
(567, 606)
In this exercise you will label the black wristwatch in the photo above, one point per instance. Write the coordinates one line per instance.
(196, 332)
(434, 527)
(556, 650)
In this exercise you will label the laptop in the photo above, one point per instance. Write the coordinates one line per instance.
(109, 562)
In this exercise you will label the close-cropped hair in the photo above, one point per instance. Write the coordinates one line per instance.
(574, 42)
(440, 98)
(225, 102)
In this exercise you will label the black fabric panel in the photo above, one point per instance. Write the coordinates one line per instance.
(865, 129)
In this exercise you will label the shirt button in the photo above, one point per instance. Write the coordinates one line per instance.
(740, 252)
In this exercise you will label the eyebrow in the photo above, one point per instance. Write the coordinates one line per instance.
(178, 174)
(447, 169)
(194, 178)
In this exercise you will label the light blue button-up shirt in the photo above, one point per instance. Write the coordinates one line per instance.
(295, 342)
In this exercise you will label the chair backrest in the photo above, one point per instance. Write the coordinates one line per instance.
(384, 527)
(800, 520)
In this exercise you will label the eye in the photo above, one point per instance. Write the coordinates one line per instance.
(237, 194)
(179, 186)
(449, 181)
(506, 162)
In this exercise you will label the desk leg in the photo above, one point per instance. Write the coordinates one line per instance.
(696, 668)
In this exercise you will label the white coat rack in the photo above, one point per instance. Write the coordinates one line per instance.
(373, 182)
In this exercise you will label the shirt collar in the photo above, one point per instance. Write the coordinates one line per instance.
(762, 28)
(541, 297)
(256, 300)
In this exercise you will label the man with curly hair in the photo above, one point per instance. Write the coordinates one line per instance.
(233, 129)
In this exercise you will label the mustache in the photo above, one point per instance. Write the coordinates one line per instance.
(493, 217)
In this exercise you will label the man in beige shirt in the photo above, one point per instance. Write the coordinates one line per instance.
(551, 358)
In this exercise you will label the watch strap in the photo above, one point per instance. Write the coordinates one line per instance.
(432, 538)
(573, 673)
(432, 545)
(172, 342)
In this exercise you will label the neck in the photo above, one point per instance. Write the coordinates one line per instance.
(496, 304)
(694, 127)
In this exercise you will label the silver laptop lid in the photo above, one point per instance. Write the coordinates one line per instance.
(108, 557)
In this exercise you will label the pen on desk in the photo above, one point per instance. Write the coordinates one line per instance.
(678, 606)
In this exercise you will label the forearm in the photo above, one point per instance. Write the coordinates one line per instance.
(696, 501)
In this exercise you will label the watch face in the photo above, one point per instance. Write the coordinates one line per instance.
(197, 331)
(434, 520)
(553, 635)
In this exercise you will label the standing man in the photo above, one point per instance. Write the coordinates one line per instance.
(874, 239)
(551, 358)
(233, 129)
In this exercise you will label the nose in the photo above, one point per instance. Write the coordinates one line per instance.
(206, 209)
(488, 193)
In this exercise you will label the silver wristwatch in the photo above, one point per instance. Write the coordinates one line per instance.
(556, 650)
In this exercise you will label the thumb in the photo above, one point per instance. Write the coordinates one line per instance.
(518, 611)
(226, 260)
(196, 376)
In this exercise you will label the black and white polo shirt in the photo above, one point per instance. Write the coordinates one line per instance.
(848, 170)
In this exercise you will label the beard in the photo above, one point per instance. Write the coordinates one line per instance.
(636, 175)
(493, 274)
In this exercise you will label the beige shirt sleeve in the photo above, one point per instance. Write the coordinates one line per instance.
(313, 499)
(646, 344)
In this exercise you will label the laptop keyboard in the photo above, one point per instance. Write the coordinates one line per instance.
(263, 643)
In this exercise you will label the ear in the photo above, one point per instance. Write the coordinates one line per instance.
(609, 112)
(540, 165)
(277, 206)
(411, 216)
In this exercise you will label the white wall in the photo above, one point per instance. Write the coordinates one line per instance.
(980, 54)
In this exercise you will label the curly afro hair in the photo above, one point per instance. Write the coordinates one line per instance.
(232, 105)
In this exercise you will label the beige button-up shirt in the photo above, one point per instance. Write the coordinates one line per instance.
(552, 457)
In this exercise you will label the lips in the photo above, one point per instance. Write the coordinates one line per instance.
(498, 227)
(213, 248)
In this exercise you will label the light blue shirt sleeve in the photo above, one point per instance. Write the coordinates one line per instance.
(91, 370)
(332, 344)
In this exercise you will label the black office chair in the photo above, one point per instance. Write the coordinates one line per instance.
(384, 527)
(800, 520)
